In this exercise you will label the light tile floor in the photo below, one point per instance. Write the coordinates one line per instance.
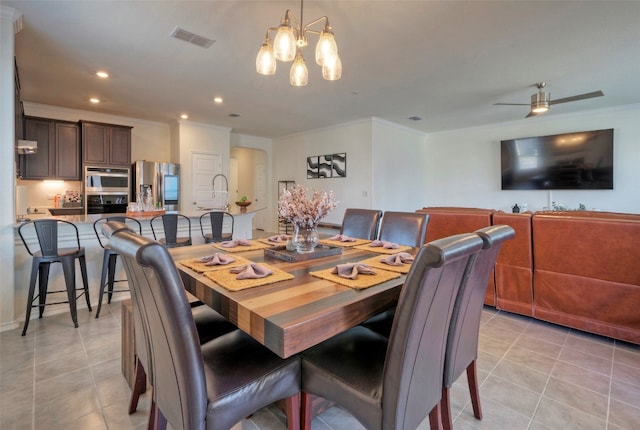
(534, 375)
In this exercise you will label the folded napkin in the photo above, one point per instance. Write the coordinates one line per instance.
(351, 270)
(251, 271)
(278, 238)
(384, 244)
(234, 243)
(397, 259)
(342, 238)
(217, 259)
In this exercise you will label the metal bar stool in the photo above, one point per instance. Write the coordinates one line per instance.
(110, 257)
(47, 233)
(217, 219)
(170, 225)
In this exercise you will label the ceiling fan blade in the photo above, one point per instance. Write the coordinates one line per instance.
(532, 114)
(576, 98)
(511, 104)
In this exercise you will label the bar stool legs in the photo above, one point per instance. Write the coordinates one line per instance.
(40, 272)
(107, 278)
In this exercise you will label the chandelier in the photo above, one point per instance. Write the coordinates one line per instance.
(287, 44)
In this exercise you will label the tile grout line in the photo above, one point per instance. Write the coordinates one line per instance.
(544, 389)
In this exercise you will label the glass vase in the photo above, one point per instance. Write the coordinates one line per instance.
(305, 239)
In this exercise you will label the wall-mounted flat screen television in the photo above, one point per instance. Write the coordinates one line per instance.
(570, 161)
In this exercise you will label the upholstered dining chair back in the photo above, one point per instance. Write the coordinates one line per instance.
(395, 383)
(415, 355)
(177, 371)
(404, 228)
(462, 340)
(216, 223)
(361, 223)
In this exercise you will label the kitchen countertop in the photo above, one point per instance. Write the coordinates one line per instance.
(90, 219)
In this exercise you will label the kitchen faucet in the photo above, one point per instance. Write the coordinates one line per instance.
(213, 188)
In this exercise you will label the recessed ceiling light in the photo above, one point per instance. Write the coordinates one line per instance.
(94, 100)
(102, 74)
(184, 116)
(234, 115)
(217, 99)
(415, 118)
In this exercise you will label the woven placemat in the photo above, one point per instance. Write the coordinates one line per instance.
(228, 280)
(196, 265)
(361, 282)
(345, 244)
(255, 245)
(383, 250)
(375, 262)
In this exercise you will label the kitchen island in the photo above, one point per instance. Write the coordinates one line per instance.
(93, 250)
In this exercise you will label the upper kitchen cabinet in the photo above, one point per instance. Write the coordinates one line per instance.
(58, 155)
(106, 144)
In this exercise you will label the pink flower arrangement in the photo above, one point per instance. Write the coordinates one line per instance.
(295, 207)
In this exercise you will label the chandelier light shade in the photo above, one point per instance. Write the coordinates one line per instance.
(266, 60)
(332, 69)
(299, 75)
(284, 44)
(326, 49)
(288, 41)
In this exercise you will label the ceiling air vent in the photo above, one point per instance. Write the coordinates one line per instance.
(192, 38)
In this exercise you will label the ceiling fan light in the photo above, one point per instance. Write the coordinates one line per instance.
(299, 75)
(284, 44)
(326, 47)
(266, 61)
(540, 102)
(332, 68)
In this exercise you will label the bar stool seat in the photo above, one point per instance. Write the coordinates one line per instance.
(47, 232)
(110, 257)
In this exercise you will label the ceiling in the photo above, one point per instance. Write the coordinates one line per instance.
(446, 62)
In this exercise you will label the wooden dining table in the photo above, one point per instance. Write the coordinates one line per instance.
(291, 316)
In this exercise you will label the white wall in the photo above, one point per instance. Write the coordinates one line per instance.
(462, 167)
(290, 160)
(205, 138)
(398, 166)
(7, 166)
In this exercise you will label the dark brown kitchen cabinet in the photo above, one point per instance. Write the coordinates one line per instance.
(106, 144)
(58, 155)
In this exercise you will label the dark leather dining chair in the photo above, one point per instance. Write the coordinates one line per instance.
(170, 224)
(216, 224)
(209, 325)
(47, 232)
(210, 386)
(404, 228)
(462, 341)
(395, 382)
(361, 223)
(110, 258)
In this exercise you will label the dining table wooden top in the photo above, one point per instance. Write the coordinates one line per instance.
(292, 315)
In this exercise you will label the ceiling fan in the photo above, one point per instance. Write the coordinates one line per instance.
(541, 100)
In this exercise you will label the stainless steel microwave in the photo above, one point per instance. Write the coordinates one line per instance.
(107, 180)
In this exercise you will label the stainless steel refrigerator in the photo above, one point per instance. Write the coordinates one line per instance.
(160, 180)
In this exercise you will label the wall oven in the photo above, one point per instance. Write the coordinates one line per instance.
(106, 189)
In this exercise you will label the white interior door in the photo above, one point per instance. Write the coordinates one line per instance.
(260, 197)
(233, 180)
(204, 166)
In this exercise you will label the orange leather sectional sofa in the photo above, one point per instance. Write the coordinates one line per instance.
(579, 269)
